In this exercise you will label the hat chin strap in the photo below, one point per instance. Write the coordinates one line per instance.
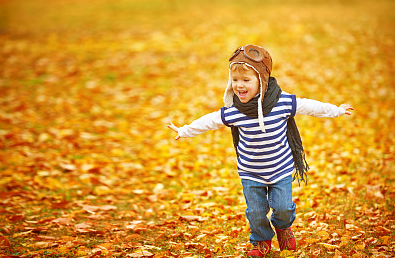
(260, 113)
(228, 96)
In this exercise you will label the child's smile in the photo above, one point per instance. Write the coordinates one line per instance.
(245, 84)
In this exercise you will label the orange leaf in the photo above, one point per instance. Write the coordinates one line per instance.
(4, 241)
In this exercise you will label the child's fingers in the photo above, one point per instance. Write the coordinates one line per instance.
(347, 108)
(173, 127)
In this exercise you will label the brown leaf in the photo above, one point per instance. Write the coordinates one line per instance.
(373, 192)
(193, 218)
(17, 217)
(140, 254)
(108, 207)
(63, 204)
(62, 221)
(82, 225)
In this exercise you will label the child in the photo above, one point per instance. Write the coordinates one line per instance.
(267, 143)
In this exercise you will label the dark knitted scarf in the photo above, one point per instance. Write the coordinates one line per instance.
(270, 99)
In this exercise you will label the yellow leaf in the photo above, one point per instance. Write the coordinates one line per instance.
(217, 250)
(324, 235)
(104, 251)
(360, 246)
(286, 254)
(247, 228)
(62, 249)
(234, 240)
(53, 183)
(102, 190)
(384, 239)
(311, 240)
(81, 253)
(329, 247)
(344, 241)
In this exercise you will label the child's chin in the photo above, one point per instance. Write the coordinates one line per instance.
(243, 99)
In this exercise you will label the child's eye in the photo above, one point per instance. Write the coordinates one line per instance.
(246, 80)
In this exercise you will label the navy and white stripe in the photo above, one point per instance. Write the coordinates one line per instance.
(263, 156)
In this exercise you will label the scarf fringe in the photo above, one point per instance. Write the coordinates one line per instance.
(301, 166)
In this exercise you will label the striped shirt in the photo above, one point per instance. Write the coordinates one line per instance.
(263, 156)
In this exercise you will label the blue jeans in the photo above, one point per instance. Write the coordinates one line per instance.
(260, 198)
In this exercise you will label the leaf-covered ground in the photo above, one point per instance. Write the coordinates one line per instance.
(89, 169)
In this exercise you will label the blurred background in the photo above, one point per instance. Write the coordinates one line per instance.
(87, 88)
(109, 75)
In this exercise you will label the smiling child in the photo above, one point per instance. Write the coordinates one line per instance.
(267, 143)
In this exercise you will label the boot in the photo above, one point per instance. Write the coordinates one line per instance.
(262, 248)
(286, 239)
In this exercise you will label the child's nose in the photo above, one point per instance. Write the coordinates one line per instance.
(239, 84)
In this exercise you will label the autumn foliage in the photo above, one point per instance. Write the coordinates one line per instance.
(89, 169)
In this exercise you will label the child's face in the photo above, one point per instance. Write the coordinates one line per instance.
(245, 84)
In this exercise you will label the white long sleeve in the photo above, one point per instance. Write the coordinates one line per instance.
(211, 121)
(317, 109)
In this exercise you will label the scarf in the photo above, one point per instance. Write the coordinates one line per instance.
(270, 99)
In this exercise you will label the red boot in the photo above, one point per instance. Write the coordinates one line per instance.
(286, 239)
(260, 250)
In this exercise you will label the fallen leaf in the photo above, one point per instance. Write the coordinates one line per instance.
(68, 167)
(140, 254)
(324, 235)
(312, 240)
(4, 242)
(328, 246)
(62, 221)
(385, 239)
(286, 254)
(193, 218)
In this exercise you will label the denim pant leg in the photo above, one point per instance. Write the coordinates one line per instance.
(280, 200)
(255, 194)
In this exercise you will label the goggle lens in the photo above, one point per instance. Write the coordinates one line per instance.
(252, 52)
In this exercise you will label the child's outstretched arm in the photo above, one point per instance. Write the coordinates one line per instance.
(319, 109)
(211, 121)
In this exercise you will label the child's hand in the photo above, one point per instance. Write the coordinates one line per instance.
(174, 128)
(348, 108)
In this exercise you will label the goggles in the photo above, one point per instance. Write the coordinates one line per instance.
(252, 52)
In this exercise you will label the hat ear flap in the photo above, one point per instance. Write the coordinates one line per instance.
(228, 95)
